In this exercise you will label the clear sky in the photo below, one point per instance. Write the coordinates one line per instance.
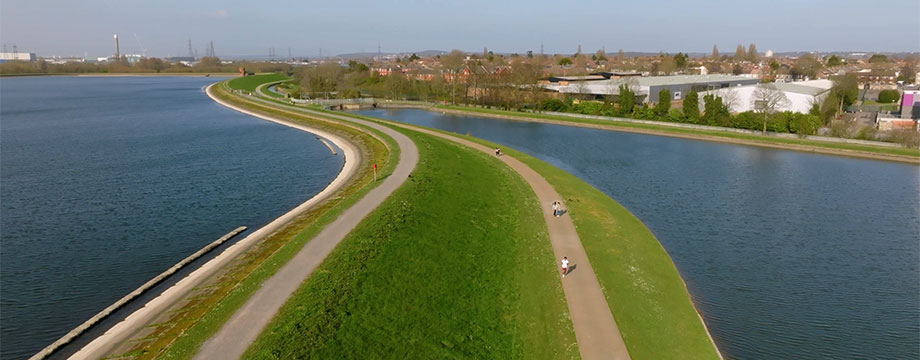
(240, 28)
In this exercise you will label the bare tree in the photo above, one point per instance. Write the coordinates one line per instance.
(580, 89)
(729, 98)
(453, 64)
(768, 100)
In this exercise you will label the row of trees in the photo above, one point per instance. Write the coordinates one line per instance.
(208, 64)
(507, 86)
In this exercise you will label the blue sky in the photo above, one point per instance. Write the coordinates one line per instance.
(238, 28)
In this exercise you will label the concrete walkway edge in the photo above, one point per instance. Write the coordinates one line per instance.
(135, 321)
(238, 333)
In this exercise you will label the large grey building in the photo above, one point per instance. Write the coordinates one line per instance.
(648, 87)
(21, 56)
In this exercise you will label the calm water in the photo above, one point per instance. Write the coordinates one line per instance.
(106, 182)
(787, 255)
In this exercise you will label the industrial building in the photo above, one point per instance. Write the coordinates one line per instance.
(648, 87)
(13, 56)
(801, 95)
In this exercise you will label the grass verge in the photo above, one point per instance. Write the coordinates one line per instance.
(915, 153)
(208, 307)
(646, 295)
(455, 264)
(250, 83)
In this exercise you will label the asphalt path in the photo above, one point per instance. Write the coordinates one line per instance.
(235, 336)
(595, 328)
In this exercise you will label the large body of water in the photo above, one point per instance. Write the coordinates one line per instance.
(106, 182)
(787, 255)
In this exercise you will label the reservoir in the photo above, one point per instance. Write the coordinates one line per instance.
(107, 181)
(786, 254)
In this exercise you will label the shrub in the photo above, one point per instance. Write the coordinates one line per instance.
(888, 96)
(553, 105)
(747, 120)
(588, 108)
(804, 124)
(675, 115)
(691, 106)
(664, 102)
(909, 138)
(868, 132)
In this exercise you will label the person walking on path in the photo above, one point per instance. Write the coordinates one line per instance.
(565, 266)
(555, 208)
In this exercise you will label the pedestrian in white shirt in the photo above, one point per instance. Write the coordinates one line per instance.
(565, 266)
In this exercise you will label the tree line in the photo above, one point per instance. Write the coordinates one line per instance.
(208, 64)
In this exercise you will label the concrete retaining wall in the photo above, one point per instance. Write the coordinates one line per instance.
(132, 295)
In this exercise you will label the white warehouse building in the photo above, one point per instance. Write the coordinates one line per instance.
(801, 95)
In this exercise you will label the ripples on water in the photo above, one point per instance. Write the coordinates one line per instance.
(106, 182)
(787, 255)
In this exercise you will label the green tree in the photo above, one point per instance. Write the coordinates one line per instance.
(680, 60)
(842, 94)
(626, 100)
(739, 53)
(691, 106)
(806, 65)
(565, 61)
(834, 60)
(774, 66)
(600, 55)
(878, 58)
(888, 96)
(413, 57)
(664, 102)
(715, 112)
(354, 66)
(752, 53)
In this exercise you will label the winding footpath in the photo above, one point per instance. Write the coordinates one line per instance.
(595, 328)
(235, 336)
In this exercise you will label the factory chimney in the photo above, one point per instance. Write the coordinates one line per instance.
(117, 54)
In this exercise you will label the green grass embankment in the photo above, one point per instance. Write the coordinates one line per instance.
(187, 327)
(455, 264)
(704, 134)
(250, 83)
(644, 290)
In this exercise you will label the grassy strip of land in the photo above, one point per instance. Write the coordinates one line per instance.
(905, 152)
(209, 307)
(455, 264)
(645, 293)
(273, 94)
(250, 83)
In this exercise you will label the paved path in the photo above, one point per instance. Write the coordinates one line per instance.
(248, 322)
(595, 329)
(100, 346)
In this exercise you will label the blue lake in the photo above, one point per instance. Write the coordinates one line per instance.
(106, 182)
(787, 255)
